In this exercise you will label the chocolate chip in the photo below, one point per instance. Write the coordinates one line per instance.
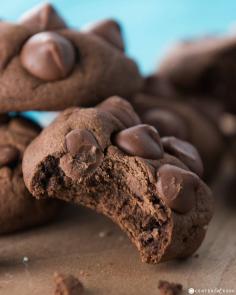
(110, 31)
(141, 140)
(166, 122)
(85, 151)
(41, 18)
(48, 56)
(8, 155)
(120, 109)
(177, 187)
(186, 152)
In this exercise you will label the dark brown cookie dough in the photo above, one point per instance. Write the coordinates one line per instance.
(53, 67)
(91, 157)
(175, 117)
(203, 67)
(18, 209)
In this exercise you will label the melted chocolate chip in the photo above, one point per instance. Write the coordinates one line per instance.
(186, 152)
(41, 18)
(141, 140)
(177, 187)
(166, 122)
(85, 155)
(120, 109)
(8, 155)
(110, 31)
(48, 56)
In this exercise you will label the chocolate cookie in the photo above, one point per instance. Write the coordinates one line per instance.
(53, 67)
(18, 210)
(175, 117)
(105, 159)
(167, 288)
(203, 67)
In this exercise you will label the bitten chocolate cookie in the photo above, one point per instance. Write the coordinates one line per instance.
(204, 67)
(53, 67)
(105, 159)
(174, 117)
(18, 209)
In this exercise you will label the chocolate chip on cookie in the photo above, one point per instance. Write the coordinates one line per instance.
(109, 30)
(48, 56)
(84, 154)
(43, 17)
(141, 140)
(120, 109)
(177, 187)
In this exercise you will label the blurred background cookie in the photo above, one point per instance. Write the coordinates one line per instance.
(18, 209)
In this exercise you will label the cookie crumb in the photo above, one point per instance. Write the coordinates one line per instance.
(167, 288)
(25, 259)
(67, 285)
(196, 255)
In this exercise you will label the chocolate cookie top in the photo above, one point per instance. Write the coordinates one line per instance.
(53, 67)
(122, 168)
(18, 209)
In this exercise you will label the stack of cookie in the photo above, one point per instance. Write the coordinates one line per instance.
(116, 149)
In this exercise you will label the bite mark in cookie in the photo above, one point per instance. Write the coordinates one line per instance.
(89, 157)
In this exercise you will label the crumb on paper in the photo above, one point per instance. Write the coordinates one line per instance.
(67, 285)
(167, 288)
(25, 259)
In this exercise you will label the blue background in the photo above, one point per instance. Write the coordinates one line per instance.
(150, 26)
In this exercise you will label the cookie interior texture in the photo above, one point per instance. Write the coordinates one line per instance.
(121, 186)
(18, 209)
